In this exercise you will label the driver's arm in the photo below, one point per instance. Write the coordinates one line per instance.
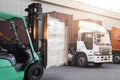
(4, 37)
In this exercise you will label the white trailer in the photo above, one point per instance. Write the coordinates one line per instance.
(93, 45)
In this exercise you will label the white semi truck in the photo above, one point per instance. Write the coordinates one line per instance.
(93, 45)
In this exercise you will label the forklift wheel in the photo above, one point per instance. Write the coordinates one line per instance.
(34, 72)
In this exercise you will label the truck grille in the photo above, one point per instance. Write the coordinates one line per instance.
(105, 50)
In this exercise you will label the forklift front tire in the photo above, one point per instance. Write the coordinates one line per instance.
(34, 72)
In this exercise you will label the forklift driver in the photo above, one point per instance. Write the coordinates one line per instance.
(4, 52)
(2, 36)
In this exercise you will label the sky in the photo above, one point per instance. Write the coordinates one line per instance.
(112, 5)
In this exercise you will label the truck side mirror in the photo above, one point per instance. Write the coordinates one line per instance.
(98, 35)
(118, 38)
(98, 40)
(102, 35)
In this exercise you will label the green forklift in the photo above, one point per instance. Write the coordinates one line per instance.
(20, 58)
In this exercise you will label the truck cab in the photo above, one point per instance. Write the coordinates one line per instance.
(93, 45)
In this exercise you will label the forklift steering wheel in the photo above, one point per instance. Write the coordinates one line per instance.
(2, 50)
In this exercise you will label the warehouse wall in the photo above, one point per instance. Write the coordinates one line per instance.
(14, 6)
(107, 22)
(18, 6)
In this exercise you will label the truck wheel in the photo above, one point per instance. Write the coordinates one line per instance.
(98, 64)
(34, 72)
(116, 59)
(81, 60)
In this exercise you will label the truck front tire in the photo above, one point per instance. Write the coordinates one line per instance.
(81, 60)
(34, 72)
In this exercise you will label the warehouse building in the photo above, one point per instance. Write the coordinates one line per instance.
(55, 33)
(79, 11)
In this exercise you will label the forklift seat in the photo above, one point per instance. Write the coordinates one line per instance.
(23, 55)
(9, 57)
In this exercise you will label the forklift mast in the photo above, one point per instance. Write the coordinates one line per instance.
(34, 22)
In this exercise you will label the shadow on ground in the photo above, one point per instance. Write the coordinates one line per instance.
(51, 77)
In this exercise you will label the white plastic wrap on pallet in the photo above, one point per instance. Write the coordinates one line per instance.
(56, 53)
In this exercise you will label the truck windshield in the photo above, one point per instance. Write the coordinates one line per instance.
(102, 39)
(13, 31)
